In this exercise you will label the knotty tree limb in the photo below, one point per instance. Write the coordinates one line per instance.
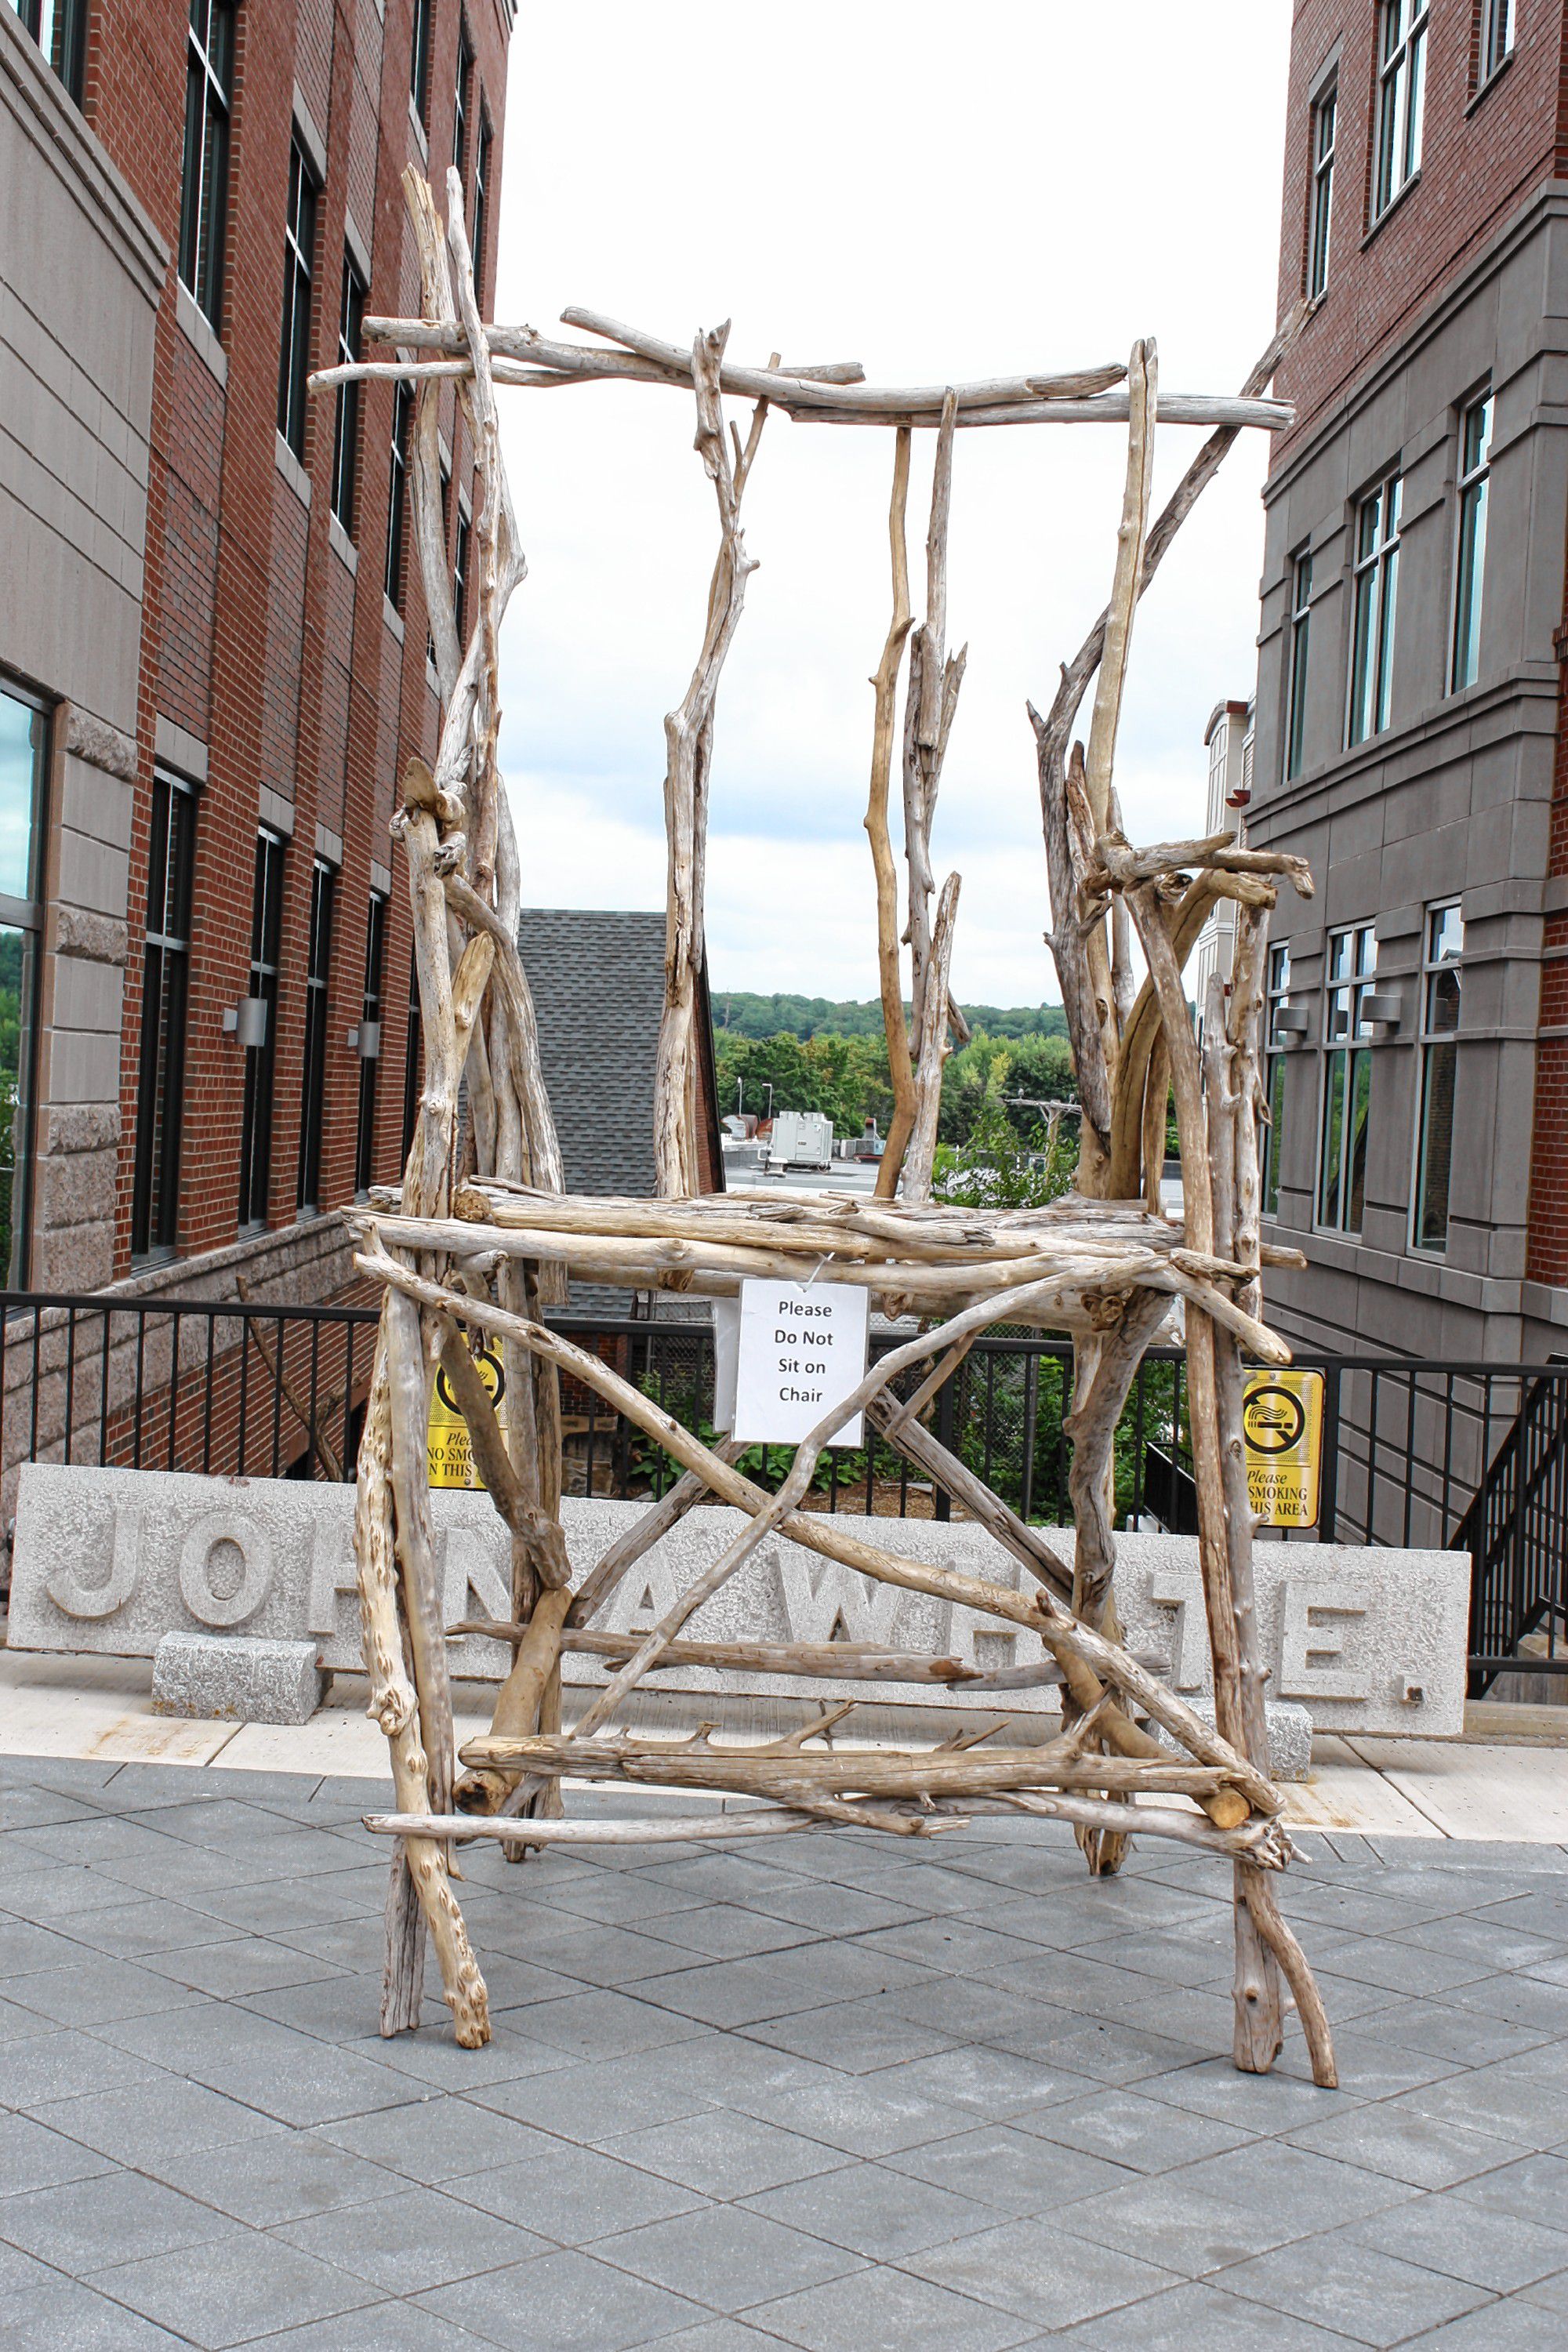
(889, 969)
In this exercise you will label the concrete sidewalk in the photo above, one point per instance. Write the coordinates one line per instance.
(100, 1708)
(842, 2094)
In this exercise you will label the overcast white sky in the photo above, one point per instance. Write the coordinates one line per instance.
(941, 194)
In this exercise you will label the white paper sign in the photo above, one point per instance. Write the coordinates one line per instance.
(802, 1348)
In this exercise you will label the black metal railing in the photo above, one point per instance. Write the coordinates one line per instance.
(1461, 1454)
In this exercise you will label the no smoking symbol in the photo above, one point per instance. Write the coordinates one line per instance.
(1274, 1420)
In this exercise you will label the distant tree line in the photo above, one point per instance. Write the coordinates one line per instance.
(738, 1013)
(993, 1084)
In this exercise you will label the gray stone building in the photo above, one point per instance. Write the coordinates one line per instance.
(1407, 701)
(81, 269)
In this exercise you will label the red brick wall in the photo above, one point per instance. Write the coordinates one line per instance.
(1479, 163)
(255, 637)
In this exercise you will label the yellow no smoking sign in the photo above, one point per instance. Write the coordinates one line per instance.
(1282, 1419)
(451, 1452)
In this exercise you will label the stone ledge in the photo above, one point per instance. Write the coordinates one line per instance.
(236, 1680)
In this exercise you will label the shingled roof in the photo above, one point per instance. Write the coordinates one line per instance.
(597, 979)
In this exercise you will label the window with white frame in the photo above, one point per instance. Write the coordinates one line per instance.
(1350, 975)
(1440, 978)
(1496, 37)
(1401, 99)
(1321, 223)
(1271, 1135)
(1474, 473)
(1296, 672)
(1376, 593)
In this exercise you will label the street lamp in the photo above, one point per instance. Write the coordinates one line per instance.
(766, 1082)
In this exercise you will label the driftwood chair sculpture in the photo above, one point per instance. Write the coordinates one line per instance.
(482, 1244)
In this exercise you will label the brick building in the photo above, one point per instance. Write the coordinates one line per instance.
(217, 664)
(1408, 733)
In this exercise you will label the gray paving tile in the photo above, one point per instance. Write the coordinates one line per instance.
(722, 2155)
(1035, 2269)
(1522, 2102)
(97, 1989)
(723, 1931)
(1501, 2251)
(20, 2272)
(1189, 2231)
(574, 2195)
(1109, 2052)
(781, 1984)
(62, 2314)
(153, 2120)
(564, 2303)
(1185, 2318)
(432, 2057)
(1275, 2102)
(1534, 2186)
(285, 2178)
(413, 2239)
(243, 1964)
(57, 2065)
(607, 2025)
(1010, 2170)
(435, 2138)
(864, 2118)
(590, 2101)
(1373, 2297)
(718, 2335)
(875, 2211)
(251, 2058)
(33, 2156)
(1520, 2325)
(992, 2084)
(84, 2225)
(1551, 2294)
(887, 2308)
(1147, 2134)
(247, 2285)
(379, 2328)
(859, 2036)
(25, 1946)
(140, 1928)
(725, 2257)
(1404, 2144)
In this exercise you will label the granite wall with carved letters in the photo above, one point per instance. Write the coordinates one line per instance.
(109, 1560)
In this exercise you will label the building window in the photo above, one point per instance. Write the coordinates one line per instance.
(1296, 676)
(460, 572)
(203, 202)
(1347, 1079)
(24, 766)
(478, 211)
(346, 441)
(412, 1060)
(1401, 99)
(1376, 587)
(1475, 472)
(460, 102)
(1272, 1134)
(299, 263)
(369, 1062)
(313, 1088)
(398, 494)
(1497, 35)
(59, 28)
(1320, 225)
(1439, 1058)
(165, 994)
(420, 62)
(266, 938)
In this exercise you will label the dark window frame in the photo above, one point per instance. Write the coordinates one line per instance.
(1298, 656)
(1442, 1004)
(413, 1059)
(345, 433)
(1400, 108)
(165, 1017)
(478, 207)
(24, 916)
(398, 495)
(1472, 499)
(204, 194)
(299, 279)
(462, 547)
(462, 91)
(261, 1061)
(318, 1014)
(59, 28)
(1324, 126)
(1374, 595)
(1272, 1130)
(419, 59)
(1350, 975)
(372, 1010)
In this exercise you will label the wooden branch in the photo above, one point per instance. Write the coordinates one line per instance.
(885, 686)
(753, 1821)
(915, 1182)
(543, 1536)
